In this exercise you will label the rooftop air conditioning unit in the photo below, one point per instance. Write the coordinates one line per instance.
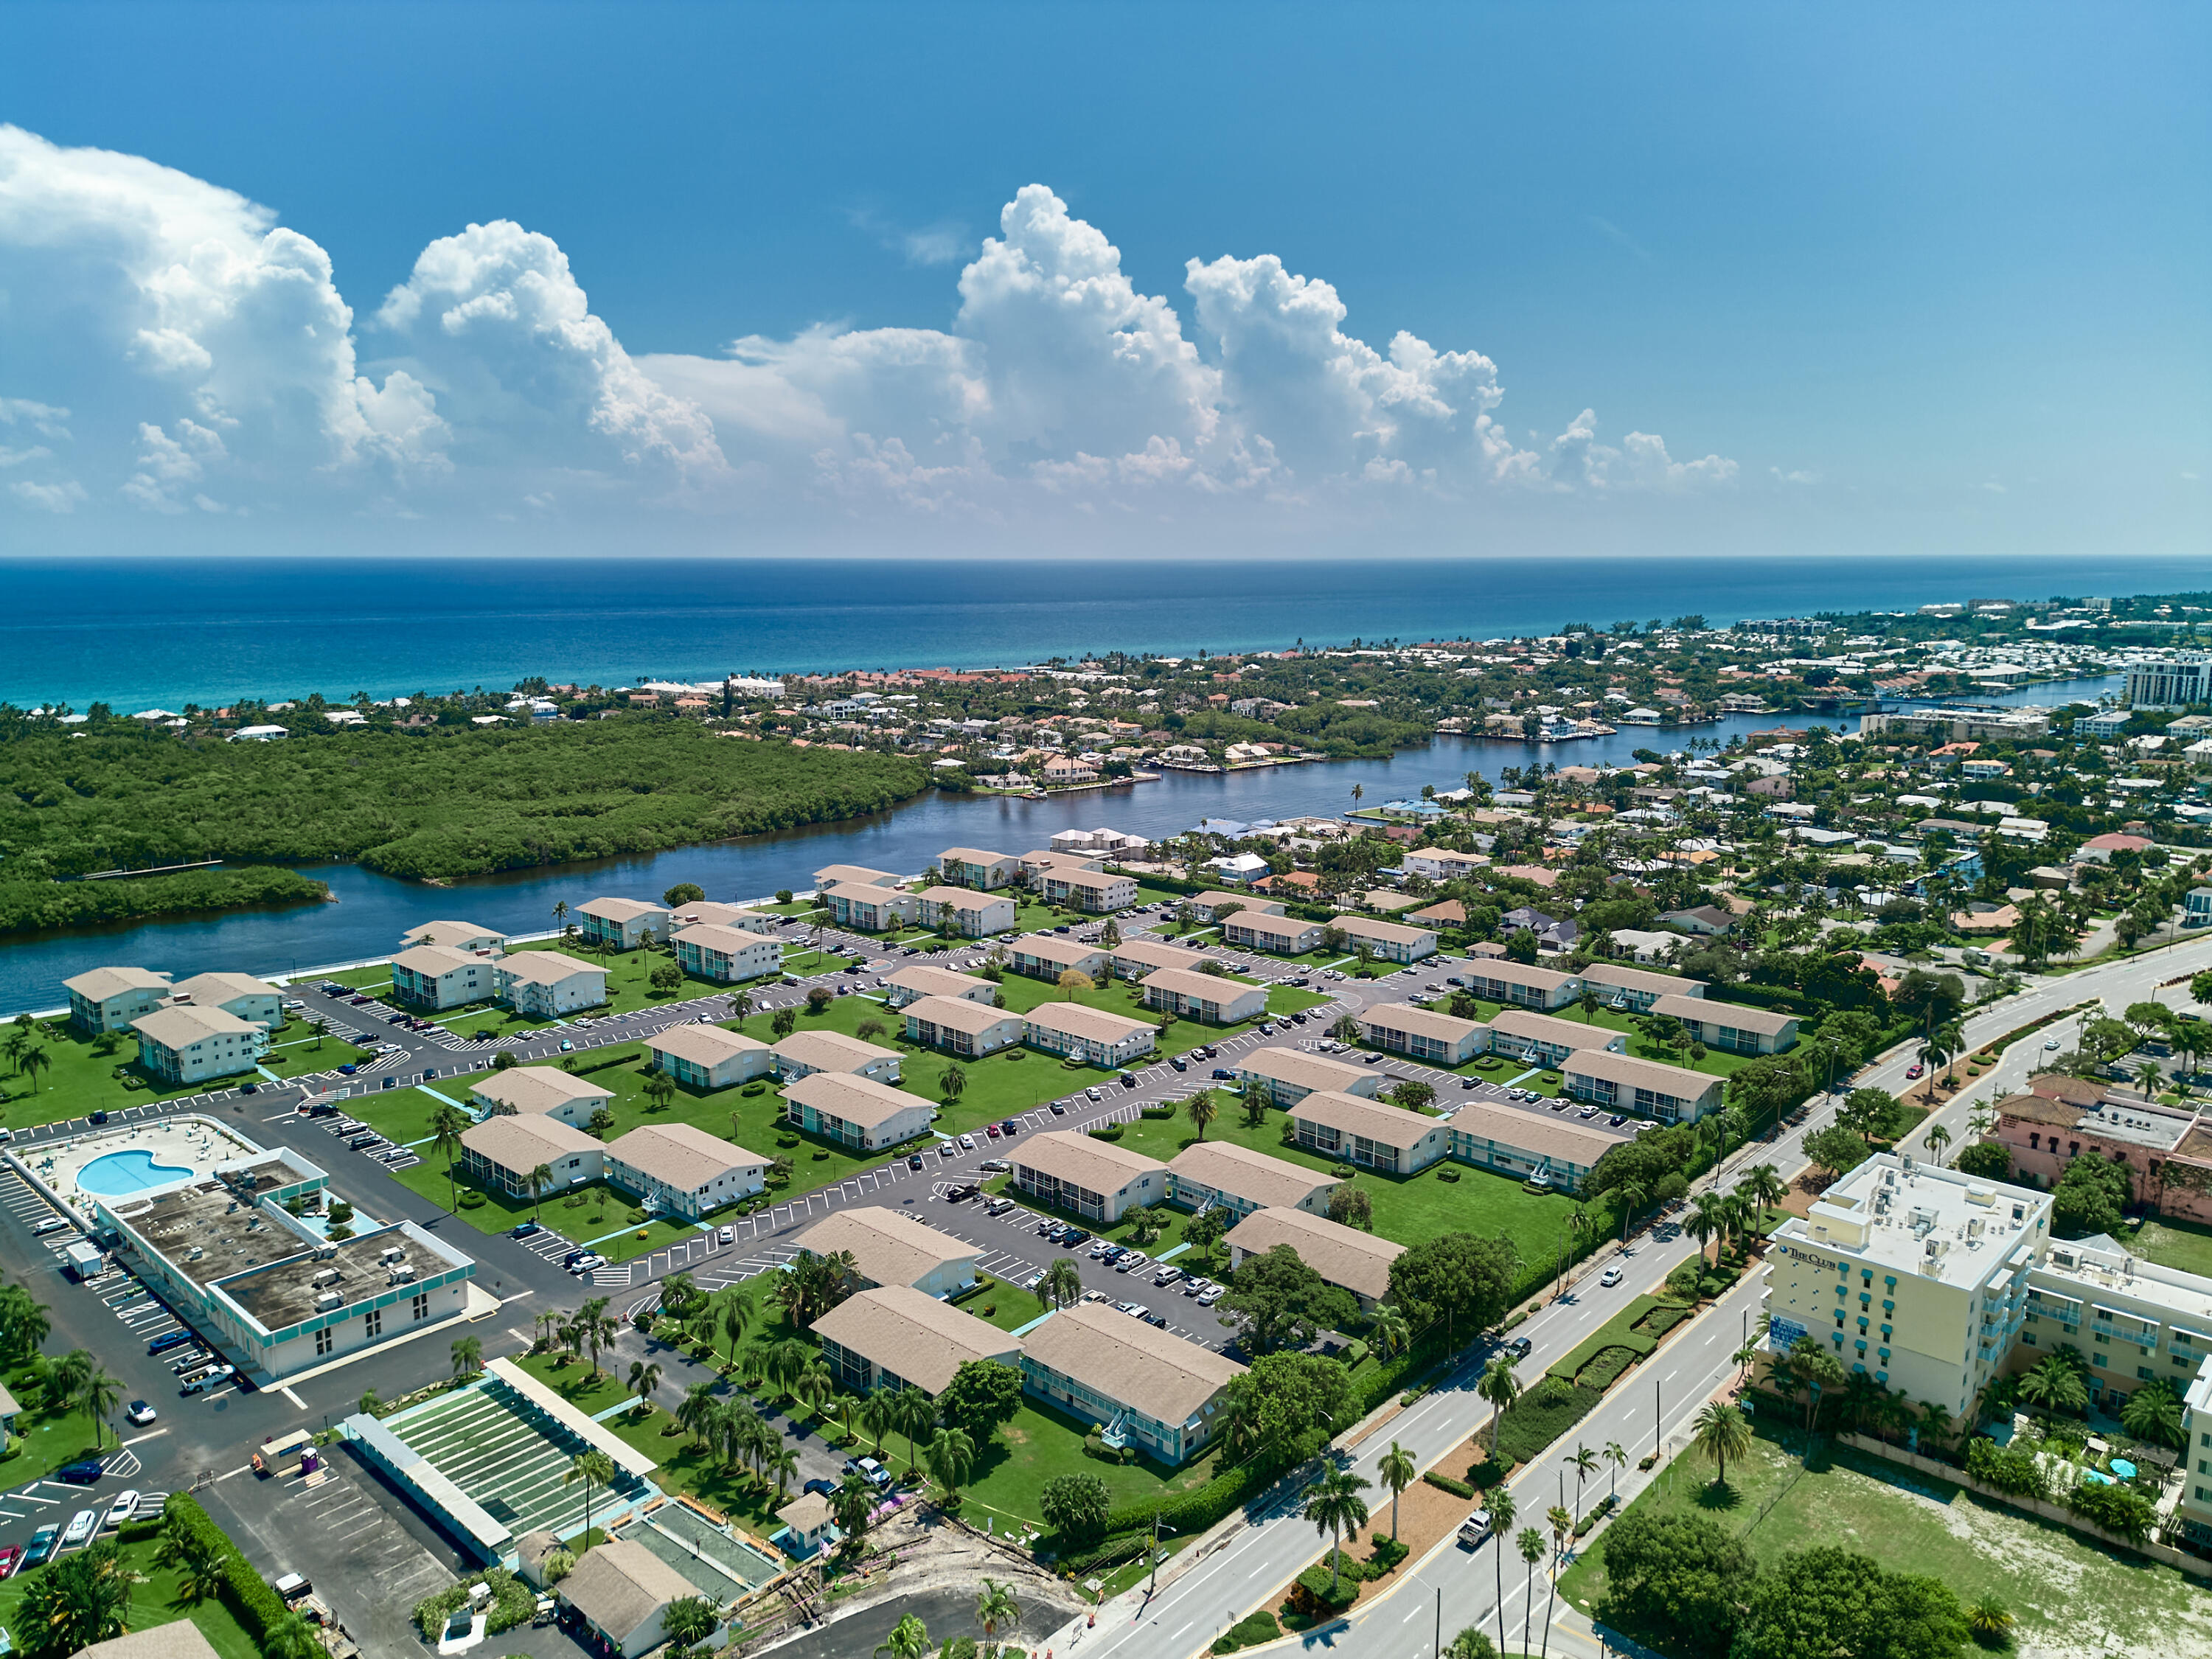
(404, 1273)
(391, 1253)
(327, 1276)
(329, 1300)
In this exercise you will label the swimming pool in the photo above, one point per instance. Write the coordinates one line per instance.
(117, 1174)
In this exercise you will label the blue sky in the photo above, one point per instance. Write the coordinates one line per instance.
(1871, 280)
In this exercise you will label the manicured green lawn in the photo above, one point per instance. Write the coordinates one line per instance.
(2068, 1593)
(374, 978)
(45, 1439)
(296, 1051)
(657, 1234)
(1041, 1444)
(573, 1381)
(80, 1080)
(402, 1117)
(156, 1601)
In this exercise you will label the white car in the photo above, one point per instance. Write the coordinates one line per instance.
(80, 1527)
(1609, 1277)
(726, 1235)
(2049, 1046)
(966, 1143)
(1209, 1295)
(125, 1506)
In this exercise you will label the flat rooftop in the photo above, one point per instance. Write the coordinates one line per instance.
(1883, 1212)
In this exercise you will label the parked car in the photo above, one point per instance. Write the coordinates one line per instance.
(1177, 1062)
(966, 1143)
(40, 1548)
(80, 1527)
(525, 1228)
(913, 1161)
(11, 1556)
(1209, 1295)
(824, 1487)
(729, 1234)
(82, 1473)
(138, 1413)
(1059, 1108)
(125, 1506)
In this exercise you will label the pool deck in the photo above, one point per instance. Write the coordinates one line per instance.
(193, 1146)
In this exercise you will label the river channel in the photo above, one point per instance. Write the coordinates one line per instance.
(371, 911)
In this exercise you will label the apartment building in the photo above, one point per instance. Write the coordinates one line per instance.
(504, 1152)
(2168, 1150)
(1389, 941)
(957, 1026)
(855, 1111)
(728, 955)
(682, 1171)
(1147, 1387)
(546, 984)
(912, 984)
(859, 875)
(181, 1045)
(454, 936)
(1290, 1074)
(705, 913)
(241, 994)
(1552, 1151)
(538, 1091)
(620, 924)
(443, 976)
(2184, 679)
(1730, 1027)
(891, 1249)
(1546, 1039)
(1277, 935)
(1213, 905)
(866, 909)
(1520, 985)
(1634, 989)
(707, 1057)
(970, 866)
(1220, 1175)
(1621, 1083)
(1367, 1133)
(1047, 956)
(1344, 1256)
(894, 1337)
(1423, 1034)
(804, 1053)
(1095, 1036)
(1442, 863)
(109, 999)
(1094, 1179)
(1205, 997)
(969, 912)
(1133, 958)
(1095, 890)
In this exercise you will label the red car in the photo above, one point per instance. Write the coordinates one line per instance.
(11, 1557)
(1915, 1070)
(993, 1132)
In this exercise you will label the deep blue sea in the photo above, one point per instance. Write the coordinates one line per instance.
(161, 633)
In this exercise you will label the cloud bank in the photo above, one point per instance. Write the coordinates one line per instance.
(174, 353)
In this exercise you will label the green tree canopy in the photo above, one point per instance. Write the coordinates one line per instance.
(1278, 1301)
(983, 1396)
(1465, 1281)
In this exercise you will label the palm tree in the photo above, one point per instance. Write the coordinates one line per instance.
(561, 914)
(2147, 1078)
(909, 1639)
(1397, 1472)
(741, 1005)
(1616, 1454)
(996, 1610)
(593, 1468)
(1200, 1110)
(1499, 1500)
(879, 1417)
(2153, 1413)
(951, 1454)
(1469, 1643)
(99, 1394)
(1632, 1197)
(468, 1355)
(540, 1177)
(1062, 1285)
(1990, 1620)
(2055, 1385)
(1764, 1185)
(447, 1125)
(737, 1315)
(780, 1464)
(815, 1384)
(1562, 1525)
(1708, 1219)
(1720, 1432)
(689, 1621)
(1584, 1464)
(660, 1089)
(916, 1412)
(1530, 1543)
(1334, 1506)
(644, 1380)
(33, 1062)
(1499, 1388)
(1937, 1138)
(1589, 1002)
(595, 1329)
(1389, 1332)
(697, 1411)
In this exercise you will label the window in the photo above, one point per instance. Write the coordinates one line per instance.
(2143, 1373)
(373, 1323)
(423, 1305)
(322, 1342)
(2096, 1359)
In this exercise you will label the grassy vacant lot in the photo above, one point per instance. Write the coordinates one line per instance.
(2176, 1243)
(157, 1600)
(1409, 1208)
(2070, 1595)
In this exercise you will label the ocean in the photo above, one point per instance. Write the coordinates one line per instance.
(161, 633)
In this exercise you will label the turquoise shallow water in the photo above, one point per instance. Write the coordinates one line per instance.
(120, 1174)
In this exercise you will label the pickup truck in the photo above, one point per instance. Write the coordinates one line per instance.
(1475, 1529)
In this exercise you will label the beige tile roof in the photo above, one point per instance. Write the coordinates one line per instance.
(891, 1249)
(1256, 1178)
(1343, 1255)
(1252, 904)
(98, 984)
(1766, 1021)
(521, 1143)
(703, 1045)
(682, 1155)
(1302, 1070)
(915, 1335)
(180, 1028)
(1097, 1166)
(620, 910)
(1080, 1019)
(963, 899)
(619, 1586)
(178, 1639)
(1381, 898)
(1130, 1362)
(861, 892)
(1521, 973)
(1531, 1026)
(1047, 947)
(436, 961)
(959, 1014)
(733, 941)
(1185, 982)
(974, 856)
(1636, 979)
(533, 1089)
(1383, 933)
(1386, 1125)
(1627, 1069)
(831, 875)
(1156, 953)
(830, 1051)
(452, 935)
(1564, 1137)
(707, 913)
(808, 1512)
(1421, 1022)
(1436, 914)
(938, 981)
(221, 988)
(860, 1100)
(546, 966)
(1283, 928)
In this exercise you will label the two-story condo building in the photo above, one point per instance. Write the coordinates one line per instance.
(1133, 958)
(832, 875)
(454, 936)
(1621, 1083)
(1636, 988)
(894, 1337)
(109, 999)
(546, 984)
(728, 955)
(538, 1091)
(889, 1248)
(1344, 1256)
(1389, 941)
(1730, 1026)
(1367, 1133)
(1423, 1034)
(1149, 1388)
(1095, 890)
(442, 976)
(805, 1052)
(867, 909)
(1290, 1074)
(682, 1171)
(707, 1057)
(1221, 1175)
(855, 1111)
(1047, 956)
(618, 923)
(912, 984)
(1520, 985)
(241, 994)
(503, 1151)
(1213, 905)
(960, 1027)
(1558, 1151)
(1277, 935)
(1095, 1180)
(1442, 863)
(967, 911)
(1206, 997)
(191, 1045)
(1546, 1040)
(705, 913)
(973, 866)
(1096, 1035)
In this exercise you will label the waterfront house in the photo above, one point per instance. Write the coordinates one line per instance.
(728, 955)
(805, 1052)
(854, 1110)
(1423, 1034)
(1621, 1083)
(1096, 1035)
(1148, 1387)
(890, 1248)
(859, 875)
(179, 1045)
(502, 1152)
(707, 1057)
(959, 1026)
(893, 1337)
(241, 994)
(1209, 998)
(967, 911)
(1094, 890)
(109, 999)
(705, 913)
(1367, 1133)
(682, 1171)
(538, 1091)
(1291, 1074)
(1094, 1179)
(1344, 1256)
(1442, 863)
(442, 976)
(971, 866)
(618, 923)
(1235, 1180)
(867, 909)
(545, 984)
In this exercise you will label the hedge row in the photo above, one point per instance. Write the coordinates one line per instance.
(1249, 1631)
(1200, 1507)
(1602, 1373)
(1541, 1416)
(1107, 1553)
(242, 1591)
(1617, 1332)
(1444, 1483)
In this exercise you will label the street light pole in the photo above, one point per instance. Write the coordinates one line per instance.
(1656, 1409)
